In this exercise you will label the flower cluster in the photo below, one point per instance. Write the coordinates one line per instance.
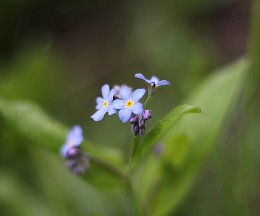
(126, 102)
(121, 100)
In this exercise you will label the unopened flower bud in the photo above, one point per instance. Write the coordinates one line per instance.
(133, 119)
(138, 122)
(135, 129)
(146, 114)
(141, 122)
(142, 130)
(72, 153)
(79, 163)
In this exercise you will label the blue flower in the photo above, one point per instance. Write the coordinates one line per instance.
(74, 139)
(128, 103)
(104, 104)
(153, 81)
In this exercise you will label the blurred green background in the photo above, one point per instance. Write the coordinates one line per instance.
(58, 54)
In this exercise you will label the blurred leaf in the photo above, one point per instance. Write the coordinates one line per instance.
(11, 190)
(215, 95)
(175, 155)
(163, 126)
(35, 74)
(32, 122)
(191, 7)
(66, 194)
(254, 45)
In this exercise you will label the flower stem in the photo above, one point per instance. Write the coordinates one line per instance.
(134, 148)
(135, 210)
(109, 167)
(149, 97)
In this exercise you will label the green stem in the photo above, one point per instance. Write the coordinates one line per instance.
(109, 167)
(149, 97)
(135, 210)
(134, 149)
(120, 175)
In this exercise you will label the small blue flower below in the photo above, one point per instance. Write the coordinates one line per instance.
(74, 139)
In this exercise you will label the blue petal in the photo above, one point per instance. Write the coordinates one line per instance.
(100, 102)
(154, 79)
(111, 110)
(125, 93)
(163, 82)
(64, 149)
(111, 95)
(125, 114)
(77, 135)
(138, 108)
(105, 91)
(74, 138)
(99, 115)
(71, 134)
(140, 76)
(118, 104)
(138, 94)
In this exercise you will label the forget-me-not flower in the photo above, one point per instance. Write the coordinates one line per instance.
(104, 104)
(77, 159)
(128, 103)
(73, 140)
(153, 81)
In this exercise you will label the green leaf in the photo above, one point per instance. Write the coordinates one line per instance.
(69, 195)
(162, 182)
(32, 122)
(175, 155)
(28, 74)
(215, 95)
(162, 127)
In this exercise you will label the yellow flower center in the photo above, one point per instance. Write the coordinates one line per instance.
(129, 103)
(105, 104)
